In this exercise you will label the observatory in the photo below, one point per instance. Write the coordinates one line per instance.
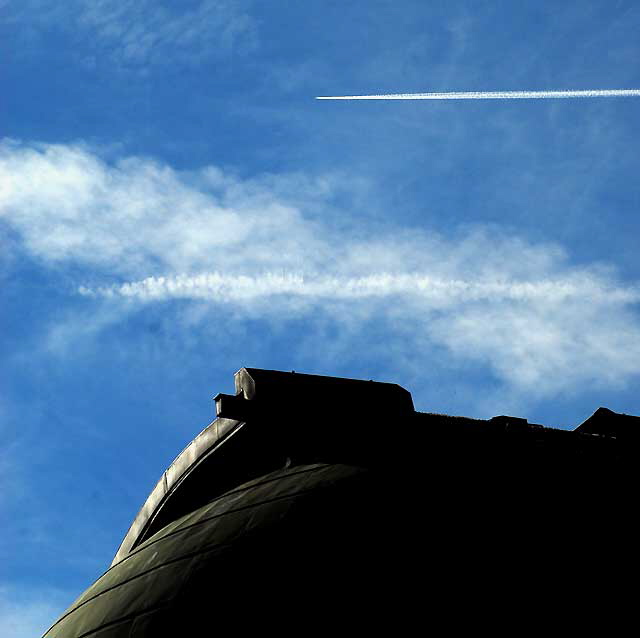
(317, 504)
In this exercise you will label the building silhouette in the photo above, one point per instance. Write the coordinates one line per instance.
(315, 505)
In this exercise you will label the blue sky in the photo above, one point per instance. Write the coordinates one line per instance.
(175, 205)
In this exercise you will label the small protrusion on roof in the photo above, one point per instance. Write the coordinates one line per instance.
(509, 422)
(290, 392)
(605, 422)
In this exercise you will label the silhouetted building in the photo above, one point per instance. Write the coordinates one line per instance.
(322, 505)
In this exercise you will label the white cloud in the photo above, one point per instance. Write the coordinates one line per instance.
(548, 347)
(139, 215)
(275, 246)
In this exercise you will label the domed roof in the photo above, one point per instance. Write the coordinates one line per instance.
(249, 537)
(311, 503)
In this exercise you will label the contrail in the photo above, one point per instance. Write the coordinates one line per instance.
(434, 290)
(490, 95)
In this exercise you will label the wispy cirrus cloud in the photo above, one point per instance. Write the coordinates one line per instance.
(25, 614)
(143, 33)
(145, 233)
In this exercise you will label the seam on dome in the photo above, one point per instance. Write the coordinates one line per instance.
(149, 542)
(190, 555)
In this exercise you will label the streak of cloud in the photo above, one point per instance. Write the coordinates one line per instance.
(491, 95)
(436, 292)
(143, 233)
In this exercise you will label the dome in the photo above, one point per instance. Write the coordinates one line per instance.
(364, 516)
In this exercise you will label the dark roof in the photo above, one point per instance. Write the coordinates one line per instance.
(606, 423)
(328, 418)
(307, 485)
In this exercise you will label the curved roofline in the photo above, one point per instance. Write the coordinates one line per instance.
(193, 454)
(270, 392)
(343, 419)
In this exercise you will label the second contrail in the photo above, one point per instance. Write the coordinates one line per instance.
(490, 95)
